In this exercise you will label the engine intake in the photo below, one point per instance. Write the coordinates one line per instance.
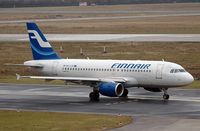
(111, 89)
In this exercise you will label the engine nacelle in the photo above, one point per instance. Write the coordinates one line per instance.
(153, 89)
(111, 89)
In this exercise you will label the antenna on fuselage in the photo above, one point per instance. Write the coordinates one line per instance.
(61, 49)
(81, 51)
(104, 50)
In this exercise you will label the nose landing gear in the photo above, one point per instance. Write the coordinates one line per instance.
(166, 95)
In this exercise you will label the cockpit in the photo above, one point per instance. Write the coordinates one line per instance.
(177, 70)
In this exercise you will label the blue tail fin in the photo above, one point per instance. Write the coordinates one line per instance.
(41, 48)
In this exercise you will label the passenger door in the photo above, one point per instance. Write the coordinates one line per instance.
(159, 71)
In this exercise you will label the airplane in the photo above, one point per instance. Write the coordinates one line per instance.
(110, 78)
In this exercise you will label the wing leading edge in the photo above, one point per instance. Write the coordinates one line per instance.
(26, 65)
(88, 79)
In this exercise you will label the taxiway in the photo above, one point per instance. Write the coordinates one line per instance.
(108, 37)
(95, 18)
(149, 111)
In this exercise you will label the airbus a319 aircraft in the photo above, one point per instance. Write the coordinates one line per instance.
(110, 78)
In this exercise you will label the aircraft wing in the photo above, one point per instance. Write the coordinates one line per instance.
(35, 66)
(117, 79)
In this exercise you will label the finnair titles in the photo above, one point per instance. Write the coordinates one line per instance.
(131, 66)
(110, 78)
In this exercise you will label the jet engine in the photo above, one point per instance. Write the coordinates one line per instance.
(111, 89)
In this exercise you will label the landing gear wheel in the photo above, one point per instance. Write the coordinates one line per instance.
(94, 96)
(165, 96)
(125, 93)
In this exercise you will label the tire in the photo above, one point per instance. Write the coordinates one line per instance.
(94, 96)
(165, 96)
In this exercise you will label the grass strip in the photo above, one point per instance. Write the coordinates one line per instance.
(49, 121)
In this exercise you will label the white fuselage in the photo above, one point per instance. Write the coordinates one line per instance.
(136, 72)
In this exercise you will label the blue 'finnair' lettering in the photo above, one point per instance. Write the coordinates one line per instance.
(131, 66)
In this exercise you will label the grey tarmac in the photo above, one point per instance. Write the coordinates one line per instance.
(107, 37)
(149, 111)
(97, 18)
(92, 11)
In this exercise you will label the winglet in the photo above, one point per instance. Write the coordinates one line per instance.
(18, 76)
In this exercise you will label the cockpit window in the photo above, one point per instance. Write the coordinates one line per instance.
(172, 71)
(182, 70)
(177, 70)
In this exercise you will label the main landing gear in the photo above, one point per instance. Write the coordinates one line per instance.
(94, 96)
(166, 95)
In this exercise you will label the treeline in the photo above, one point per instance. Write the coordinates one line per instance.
(31, 3)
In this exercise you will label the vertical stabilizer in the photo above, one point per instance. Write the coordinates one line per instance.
(41, 48)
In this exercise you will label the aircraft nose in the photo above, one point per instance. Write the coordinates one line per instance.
(189, 78)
